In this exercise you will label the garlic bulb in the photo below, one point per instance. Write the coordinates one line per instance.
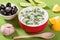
(7, 29)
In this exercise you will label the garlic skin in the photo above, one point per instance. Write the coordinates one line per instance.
(7, 29)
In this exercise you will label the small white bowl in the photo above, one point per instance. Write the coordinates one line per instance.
(11, 16)
(8, 17)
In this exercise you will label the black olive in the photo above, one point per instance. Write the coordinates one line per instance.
(8, 9)
(8, 5)
(2, 6)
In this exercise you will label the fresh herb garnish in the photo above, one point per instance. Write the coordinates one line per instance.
(28, 17)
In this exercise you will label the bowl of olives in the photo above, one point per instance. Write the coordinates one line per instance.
(8, 11)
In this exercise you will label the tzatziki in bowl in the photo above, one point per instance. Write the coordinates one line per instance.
(33, 19)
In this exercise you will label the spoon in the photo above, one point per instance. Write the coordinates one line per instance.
(46, 35)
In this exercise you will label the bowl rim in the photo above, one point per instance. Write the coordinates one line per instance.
(33, 25)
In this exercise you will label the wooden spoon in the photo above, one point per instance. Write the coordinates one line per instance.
(47, 35)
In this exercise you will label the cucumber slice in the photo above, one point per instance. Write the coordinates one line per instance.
(25, 4)
(37, 1)
(42, 4)
(32, 2)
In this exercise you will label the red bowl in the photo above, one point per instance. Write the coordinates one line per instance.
(33, 29)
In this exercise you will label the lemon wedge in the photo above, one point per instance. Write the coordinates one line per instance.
(54, 19)
(56, 23)
(56, 8)
(56, 27)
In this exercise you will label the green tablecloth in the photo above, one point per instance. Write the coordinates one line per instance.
(19, 30)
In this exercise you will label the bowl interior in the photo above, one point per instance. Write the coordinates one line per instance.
(20, 17)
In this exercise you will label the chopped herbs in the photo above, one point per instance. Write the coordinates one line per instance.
(21, 12)
(42, 13)
(42, 18)
(26, 11)
(28, 17)
(34, 10)
(27, 22)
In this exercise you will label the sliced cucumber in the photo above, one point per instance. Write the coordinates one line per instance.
(32, 2)
(42, 4)
(25, 4)
(37, 1)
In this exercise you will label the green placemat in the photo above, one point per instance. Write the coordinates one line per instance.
(19, 30)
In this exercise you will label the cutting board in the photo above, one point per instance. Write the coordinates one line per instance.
(19, 30)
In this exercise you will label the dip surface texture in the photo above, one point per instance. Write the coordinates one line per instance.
(33, 16)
